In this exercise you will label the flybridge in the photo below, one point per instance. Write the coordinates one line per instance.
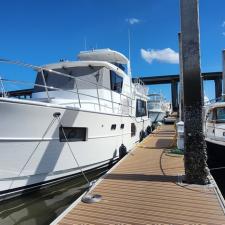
(103, 55)
(107, 55)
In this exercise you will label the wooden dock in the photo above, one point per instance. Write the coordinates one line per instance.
(145, 188)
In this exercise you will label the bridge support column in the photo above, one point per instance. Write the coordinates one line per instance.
(218, 87)
(174, 94)
(194, 144)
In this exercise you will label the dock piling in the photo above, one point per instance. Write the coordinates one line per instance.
(195, 148)
(181, 92)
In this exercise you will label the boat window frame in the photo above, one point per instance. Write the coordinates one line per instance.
(133, 129)
(68, 130)
(140, 112)
(114, 85)
(216, 115)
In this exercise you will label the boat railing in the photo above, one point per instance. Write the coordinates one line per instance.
(140, 86)
(219, 99)
(122, 108)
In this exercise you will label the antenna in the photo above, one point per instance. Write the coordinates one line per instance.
(129, 57)
(85, 43)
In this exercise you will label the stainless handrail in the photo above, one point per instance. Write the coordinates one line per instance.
(44, 81)
(59, 89)
(41, 69)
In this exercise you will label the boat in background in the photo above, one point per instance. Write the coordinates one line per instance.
(158, 108)
(81, 115)
(215, 123)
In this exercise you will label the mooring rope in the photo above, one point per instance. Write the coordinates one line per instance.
(217, 168)
(74, 157)
(31, 155)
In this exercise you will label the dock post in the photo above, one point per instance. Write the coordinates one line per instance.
(181, 93)
(195, 156)
(218, 87)
(174, 93)
(223, 57)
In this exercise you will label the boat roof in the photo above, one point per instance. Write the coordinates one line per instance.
(68, 64)
(217, 105)
(103, 55)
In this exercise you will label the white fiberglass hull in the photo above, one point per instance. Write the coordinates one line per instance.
(30, 150)
(156, 116)
(215, 133)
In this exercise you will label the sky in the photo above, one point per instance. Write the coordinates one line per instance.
(45, 31)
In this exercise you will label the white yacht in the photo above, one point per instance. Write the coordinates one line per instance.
(81, 115)
(157, 108)
(215, 123)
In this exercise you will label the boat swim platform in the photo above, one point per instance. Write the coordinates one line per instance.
(145, 187)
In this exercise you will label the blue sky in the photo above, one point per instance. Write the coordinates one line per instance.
(44, 31)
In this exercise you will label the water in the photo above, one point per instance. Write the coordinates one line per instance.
(216, 159)
(42, 206)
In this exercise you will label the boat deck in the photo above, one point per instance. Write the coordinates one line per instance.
(145, 188)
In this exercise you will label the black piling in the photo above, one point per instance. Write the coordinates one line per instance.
(181, 93)
(195, 156)
(174, 94)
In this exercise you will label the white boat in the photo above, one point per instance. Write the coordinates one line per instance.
(80, 116)
(215, 123)
(157, 108)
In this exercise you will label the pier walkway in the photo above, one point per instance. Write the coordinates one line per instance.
(145, 188)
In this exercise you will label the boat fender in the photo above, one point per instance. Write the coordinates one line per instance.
(142, 135)
(122, 151)
(148, 130)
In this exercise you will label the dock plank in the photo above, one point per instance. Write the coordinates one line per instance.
(145, 188)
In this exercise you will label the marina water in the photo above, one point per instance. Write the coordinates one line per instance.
(42, 206)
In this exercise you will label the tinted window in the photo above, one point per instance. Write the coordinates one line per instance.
(133, 130)
(89, 73)
(116, 82)
(113, 127)
(141, 108)
(220, 115)
(72, 134)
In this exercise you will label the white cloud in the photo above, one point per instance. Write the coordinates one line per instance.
(133, 20)
(166, 55)
(223, 24)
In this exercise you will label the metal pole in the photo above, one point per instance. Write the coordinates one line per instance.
(181, 92)
(78, 96)
(44, 81)
(98, 98)
(194, 144)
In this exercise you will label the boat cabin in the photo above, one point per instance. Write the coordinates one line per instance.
(97, 82)
(215, 122)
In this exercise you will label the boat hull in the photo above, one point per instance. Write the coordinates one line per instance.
(31, 152)
(156, 116)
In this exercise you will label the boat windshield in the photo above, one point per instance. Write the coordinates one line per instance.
(92, 75)
(220, 114)
(155, 98)
(121, 66)
(152, 105)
